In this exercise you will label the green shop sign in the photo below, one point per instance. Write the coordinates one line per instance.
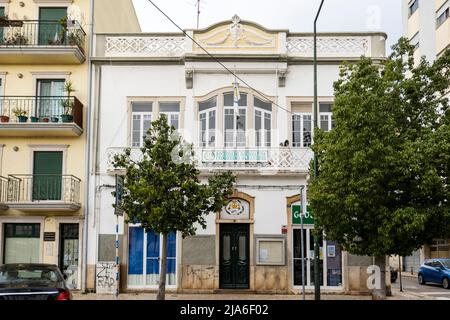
(308, 219)
(235, 155)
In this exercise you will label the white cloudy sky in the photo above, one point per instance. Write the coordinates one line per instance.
(295, 15)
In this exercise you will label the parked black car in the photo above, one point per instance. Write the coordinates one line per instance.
(32, 282)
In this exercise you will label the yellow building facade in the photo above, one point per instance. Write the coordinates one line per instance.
(44, 110)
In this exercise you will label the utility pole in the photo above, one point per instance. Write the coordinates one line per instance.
(198, 13)
(302, 214)
(316, 168)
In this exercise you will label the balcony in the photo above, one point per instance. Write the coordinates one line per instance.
(41, 42)
(49, 193)
(23, 116)
(3, 193)
(261, 161)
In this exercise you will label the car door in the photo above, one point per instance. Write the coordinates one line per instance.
(427, 271)
(435, 272)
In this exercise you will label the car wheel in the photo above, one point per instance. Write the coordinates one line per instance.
(446, 283)
(421, 279)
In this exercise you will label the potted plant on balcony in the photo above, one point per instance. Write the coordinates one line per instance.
(4, 118)
(44, 119)
(68, 103)
(21, 115)
(16, 39)
(34, 119)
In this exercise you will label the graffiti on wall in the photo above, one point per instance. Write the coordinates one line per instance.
(106, 277)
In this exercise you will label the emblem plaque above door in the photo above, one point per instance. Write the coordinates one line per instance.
(236, 209)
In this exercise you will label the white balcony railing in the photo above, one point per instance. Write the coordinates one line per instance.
(284, 159)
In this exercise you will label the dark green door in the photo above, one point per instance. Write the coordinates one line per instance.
(234, 256)
(47, 175)
(51, 31)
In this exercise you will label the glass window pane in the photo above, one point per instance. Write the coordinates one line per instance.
(324, 123)
(174, 121)
(262, 104)
(228, 99)
(226, 247)
(242, 248)
(169, 107)
(142, 107)
(211, 103)
(325, 107)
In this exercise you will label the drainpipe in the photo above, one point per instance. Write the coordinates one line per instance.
(87, 155)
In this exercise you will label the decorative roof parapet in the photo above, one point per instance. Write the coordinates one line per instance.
(144, 46)
(329, 46)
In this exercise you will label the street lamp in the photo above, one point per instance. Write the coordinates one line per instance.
(316, 169)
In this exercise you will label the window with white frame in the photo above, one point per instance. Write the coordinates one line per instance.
(442, 16)
(326, 116)
(235, 120)
(141, 121)
(415, 41)
(207, 122)
(301, 130)
(263, 123)
(413, 6)
(172, 112)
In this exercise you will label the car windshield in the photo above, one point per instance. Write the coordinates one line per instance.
(446, 263)
(27, 275)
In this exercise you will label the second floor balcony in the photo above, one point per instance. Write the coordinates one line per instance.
(261, 161)
(41, 42)
(39, 192)
(40, 116)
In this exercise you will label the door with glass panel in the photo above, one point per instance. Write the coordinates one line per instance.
(234, 256)
(141, 122)
(68, 252)
(301, 130)
(2, 14)
(21, 243)
(235, 116)
(52, 30)
(49, 99)
(330, 262)
(207, 122)
(172, 112)
(144, 258)
(263, 123)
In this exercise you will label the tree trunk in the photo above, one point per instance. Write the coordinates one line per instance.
(162, 272)
(379, 293)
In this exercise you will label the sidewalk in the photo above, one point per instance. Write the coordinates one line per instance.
(178, 296)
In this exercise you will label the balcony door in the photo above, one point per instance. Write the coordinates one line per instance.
(47, 175)
(51, 31)
(49, 101)
(2, 14)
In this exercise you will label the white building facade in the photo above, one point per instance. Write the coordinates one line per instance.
(254, 243)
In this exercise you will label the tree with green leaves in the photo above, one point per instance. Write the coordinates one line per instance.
(383, 183)
(162, 190)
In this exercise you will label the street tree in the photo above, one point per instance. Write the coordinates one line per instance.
(162, 189)
(383, 183)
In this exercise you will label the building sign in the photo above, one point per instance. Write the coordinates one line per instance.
(119, 195)
(235, 155)
(307, 219)
(236, 209)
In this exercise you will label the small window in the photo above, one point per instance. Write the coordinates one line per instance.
(415, 41)
(442, 17)
(172, 112)
(413, 7)
(205, 105)
(326, 116)
(228, 99)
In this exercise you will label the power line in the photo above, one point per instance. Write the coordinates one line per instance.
(217, 60)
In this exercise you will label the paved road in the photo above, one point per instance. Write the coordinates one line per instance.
(412, 286)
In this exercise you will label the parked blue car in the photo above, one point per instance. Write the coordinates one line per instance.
(435, 271)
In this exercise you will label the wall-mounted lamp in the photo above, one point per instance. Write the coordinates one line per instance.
(20, 75)
(22, 4)
(16, 148)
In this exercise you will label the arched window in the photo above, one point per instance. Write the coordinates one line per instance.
(235, 116)
(207, 120)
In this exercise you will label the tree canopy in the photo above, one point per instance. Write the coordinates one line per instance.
(383, 183)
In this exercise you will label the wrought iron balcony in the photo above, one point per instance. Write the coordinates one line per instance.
(3, 193)
(42, 37)
(43, 192)
(247, 160)
(22, 116)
